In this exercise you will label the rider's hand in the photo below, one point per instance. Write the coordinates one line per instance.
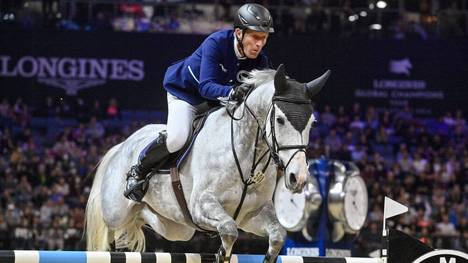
(238, 92)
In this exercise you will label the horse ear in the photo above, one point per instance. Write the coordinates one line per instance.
(280, 80)
(317, 84)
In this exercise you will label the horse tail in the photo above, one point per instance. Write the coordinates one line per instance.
(131, 235)
(96, 229)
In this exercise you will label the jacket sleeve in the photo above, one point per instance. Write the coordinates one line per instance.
(210, 71)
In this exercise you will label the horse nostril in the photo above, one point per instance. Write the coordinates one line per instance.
(292, 178)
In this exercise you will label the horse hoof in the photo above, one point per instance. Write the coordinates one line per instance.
(220, 256)
(268, 259)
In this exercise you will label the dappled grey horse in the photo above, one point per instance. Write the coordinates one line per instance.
(228, 178)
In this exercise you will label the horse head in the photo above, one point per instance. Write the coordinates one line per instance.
(288, 124)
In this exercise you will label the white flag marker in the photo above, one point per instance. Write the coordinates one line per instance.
(392, 208)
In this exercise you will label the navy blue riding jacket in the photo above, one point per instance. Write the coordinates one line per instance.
(210, 72)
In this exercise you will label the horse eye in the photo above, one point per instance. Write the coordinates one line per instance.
(280, 120)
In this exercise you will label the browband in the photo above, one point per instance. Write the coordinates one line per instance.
(291, 100)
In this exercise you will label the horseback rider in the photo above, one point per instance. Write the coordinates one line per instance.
(208, 75)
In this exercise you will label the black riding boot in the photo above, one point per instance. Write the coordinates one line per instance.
(152, 157)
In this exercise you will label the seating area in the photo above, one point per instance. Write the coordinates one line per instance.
(46, 157)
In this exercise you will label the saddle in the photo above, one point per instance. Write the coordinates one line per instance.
(177, 158)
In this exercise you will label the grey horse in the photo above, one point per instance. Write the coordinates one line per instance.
(266, 133)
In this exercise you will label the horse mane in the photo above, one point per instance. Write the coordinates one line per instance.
(257, 77)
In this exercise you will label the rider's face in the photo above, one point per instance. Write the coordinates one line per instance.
(253, 42)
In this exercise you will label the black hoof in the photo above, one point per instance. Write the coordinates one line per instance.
(267, 259)
(220, 256)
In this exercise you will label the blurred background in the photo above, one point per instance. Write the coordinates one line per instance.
(421, 19)
(78, 76)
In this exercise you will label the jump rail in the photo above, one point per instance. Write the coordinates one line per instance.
(39, 256)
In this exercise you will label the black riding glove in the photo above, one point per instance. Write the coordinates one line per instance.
(238, 92)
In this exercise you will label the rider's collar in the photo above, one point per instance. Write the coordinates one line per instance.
(236, 50)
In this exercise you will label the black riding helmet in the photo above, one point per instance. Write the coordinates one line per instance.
(255, 17)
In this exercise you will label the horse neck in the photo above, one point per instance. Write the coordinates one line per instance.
(259, 102)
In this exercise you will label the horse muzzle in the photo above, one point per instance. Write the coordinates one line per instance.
(295, 179)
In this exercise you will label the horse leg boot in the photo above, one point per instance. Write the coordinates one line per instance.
(263, 222)
(152, 157)
(209, 214)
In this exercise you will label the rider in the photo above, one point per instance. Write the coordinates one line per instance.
(207, 75)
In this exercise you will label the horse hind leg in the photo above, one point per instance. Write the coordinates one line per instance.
(169, 229)
(209, 213)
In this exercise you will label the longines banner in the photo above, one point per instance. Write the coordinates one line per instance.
(72, 74)
(129, 67)
(430, 76)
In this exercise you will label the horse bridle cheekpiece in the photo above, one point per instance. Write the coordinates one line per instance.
(275, 147)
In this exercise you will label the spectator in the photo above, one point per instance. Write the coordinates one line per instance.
(419, 163)
(113, 109)
(333, 141)
(47, 210)
(327, 117)
(23, 236)
(445, 227)
(54, 236)
(95, 129)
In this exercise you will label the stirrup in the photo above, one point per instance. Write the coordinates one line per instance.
(136, 188)
(137, 191)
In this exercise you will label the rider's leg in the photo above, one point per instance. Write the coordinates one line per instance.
(149, 158)
(179, 120)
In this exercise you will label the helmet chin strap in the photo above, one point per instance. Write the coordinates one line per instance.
(239, 41)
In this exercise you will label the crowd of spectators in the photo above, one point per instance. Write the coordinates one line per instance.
(398, 19)
(44, 179)
(422, 163)
(44, 182)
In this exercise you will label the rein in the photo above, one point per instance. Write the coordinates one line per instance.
(273, 149)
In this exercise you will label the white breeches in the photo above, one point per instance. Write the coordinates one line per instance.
(179, 121)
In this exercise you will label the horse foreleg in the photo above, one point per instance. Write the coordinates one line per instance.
(208, 213)
(263, 222)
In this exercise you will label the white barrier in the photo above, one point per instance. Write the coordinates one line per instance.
(36, 256)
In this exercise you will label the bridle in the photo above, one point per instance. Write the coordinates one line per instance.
(273, 148)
